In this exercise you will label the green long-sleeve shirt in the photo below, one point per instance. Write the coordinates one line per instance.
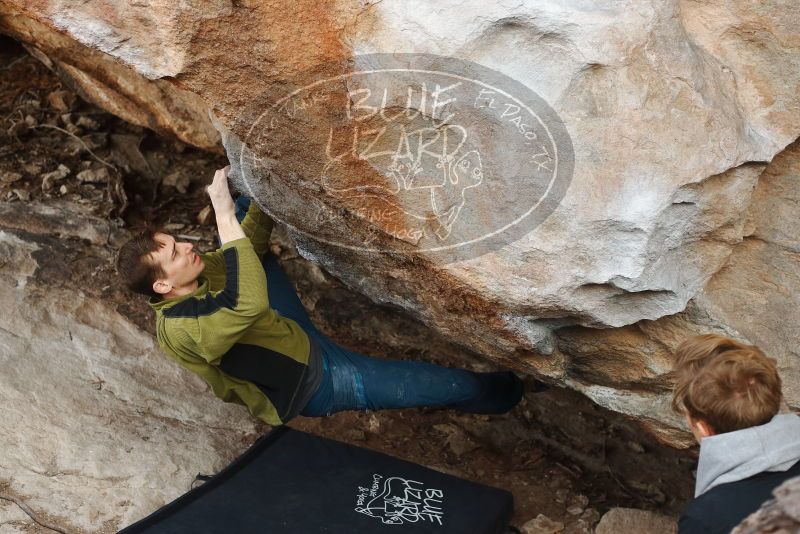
(227, 333)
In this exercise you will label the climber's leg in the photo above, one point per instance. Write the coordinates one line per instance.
(357, 382)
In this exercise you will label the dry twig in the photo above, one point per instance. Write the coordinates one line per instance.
(27, 509)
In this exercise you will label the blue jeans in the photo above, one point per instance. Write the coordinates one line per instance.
(353, 381)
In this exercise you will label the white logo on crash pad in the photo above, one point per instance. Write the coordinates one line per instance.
(396, 501)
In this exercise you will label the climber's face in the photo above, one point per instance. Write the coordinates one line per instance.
(180, 265)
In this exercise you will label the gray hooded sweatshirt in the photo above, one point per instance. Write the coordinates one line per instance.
(734, 456)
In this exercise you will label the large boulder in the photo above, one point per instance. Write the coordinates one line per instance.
(600, 192)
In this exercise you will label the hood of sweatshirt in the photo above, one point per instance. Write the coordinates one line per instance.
(734, 456)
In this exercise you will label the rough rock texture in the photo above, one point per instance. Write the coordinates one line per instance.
(619, 520)
(670, 223)
(101, 79)
(780, 515)
(746, 299)
(13, 520)
(90, 440)
(542, 524)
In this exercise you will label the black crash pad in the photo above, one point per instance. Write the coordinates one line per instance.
(293, 482)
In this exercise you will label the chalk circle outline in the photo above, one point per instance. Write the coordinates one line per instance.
(547, 118)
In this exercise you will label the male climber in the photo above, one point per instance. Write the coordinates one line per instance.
(232, 317)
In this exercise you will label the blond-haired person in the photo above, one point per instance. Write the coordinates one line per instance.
(730, 394)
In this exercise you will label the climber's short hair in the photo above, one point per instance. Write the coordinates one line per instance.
(134, 264)
(727, 384)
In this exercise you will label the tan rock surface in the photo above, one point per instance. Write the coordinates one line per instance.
(13, 520)
(541, 524)
(753, 298)
(758, 292)
(102, 79)
(624, 520)
(673, 110)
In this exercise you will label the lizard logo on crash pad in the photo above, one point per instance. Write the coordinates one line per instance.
(397, 501)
